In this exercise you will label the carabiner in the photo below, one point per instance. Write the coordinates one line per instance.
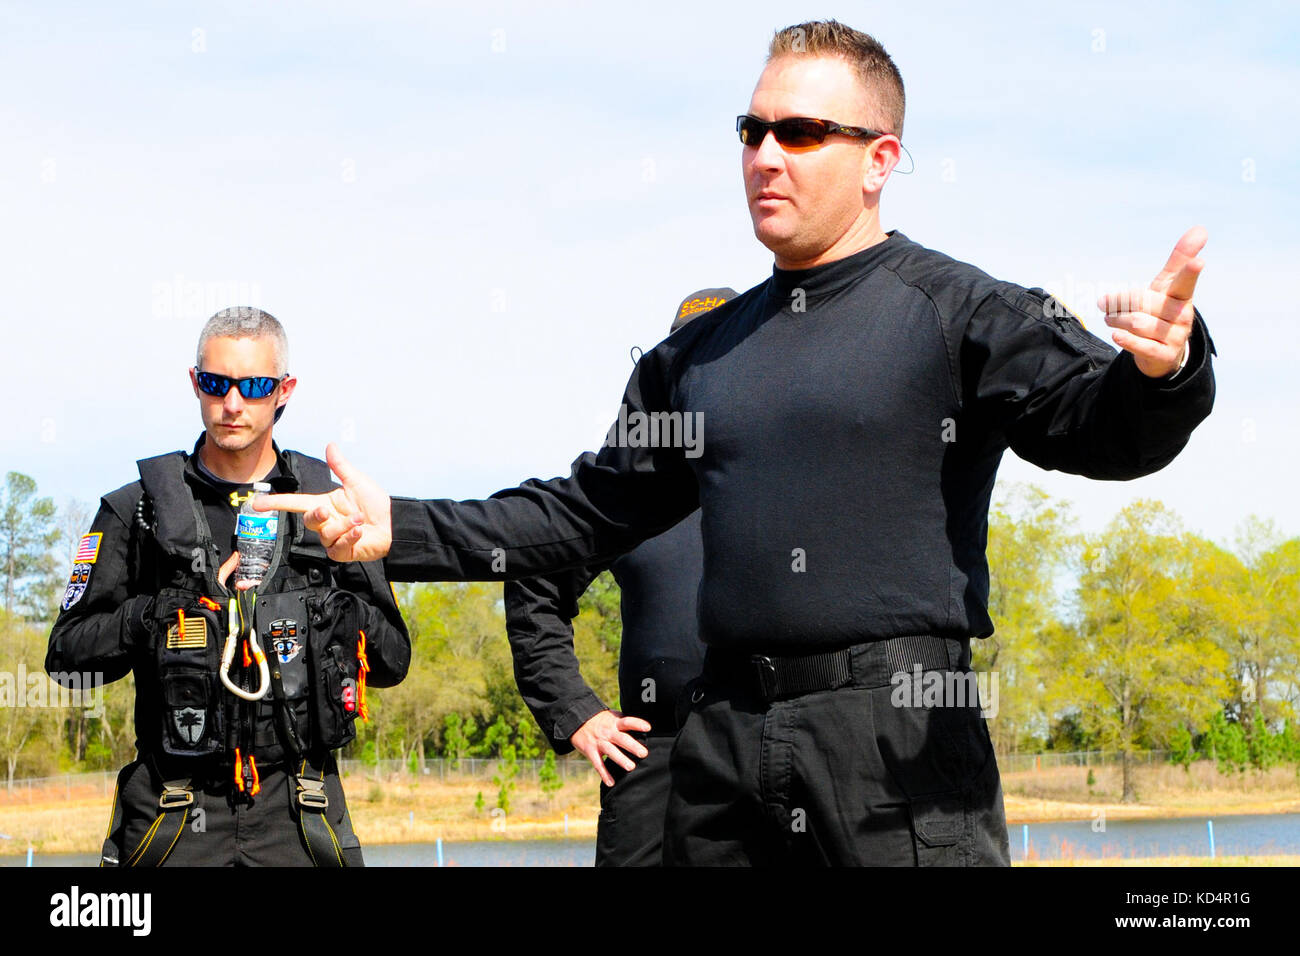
(241, 626)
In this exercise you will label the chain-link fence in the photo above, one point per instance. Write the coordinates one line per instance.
(474, 767)
(71, 786)
(1014, 763)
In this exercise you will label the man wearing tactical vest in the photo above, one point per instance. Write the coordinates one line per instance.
(239, 703)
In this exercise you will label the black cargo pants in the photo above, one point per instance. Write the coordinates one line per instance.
(221, 832)
(879, 772)
(631, 827)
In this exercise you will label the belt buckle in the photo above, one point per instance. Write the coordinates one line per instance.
(765, 669)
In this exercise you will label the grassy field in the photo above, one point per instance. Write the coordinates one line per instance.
(71, 818)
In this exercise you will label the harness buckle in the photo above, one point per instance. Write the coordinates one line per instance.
(311, 794)
(175, 795)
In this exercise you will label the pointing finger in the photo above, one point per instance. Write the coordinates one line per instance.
(299, 503)
(1183, 284)
(1173, 278)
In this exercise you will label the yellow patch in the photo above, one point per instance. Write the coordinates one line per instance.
(696, 306)
(88, 548)
(195, 635)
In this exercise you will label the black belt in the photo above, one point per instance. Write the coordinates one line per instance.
(873, 664)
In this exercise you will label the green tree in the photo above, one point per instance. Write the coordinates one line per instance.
(27, 532)
(1182, 749)
(26, 723)
(456, 739)
(495, 738)
(548, 777)
(1028, 543)
(507, 770)
(527, 739)
(1135, 663)
(1250, 604)
(598, 637)
(1225, 743)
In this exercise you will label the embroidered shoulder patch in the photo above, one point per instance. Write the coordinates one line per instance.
(88, 548)
(76, 585)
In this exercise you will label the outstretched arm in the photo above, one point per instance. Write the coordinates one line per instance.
(606, 507)
(1065, 400)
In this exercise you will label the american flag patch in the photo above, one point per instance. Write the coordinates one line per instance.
(88, 548)
(193, 634)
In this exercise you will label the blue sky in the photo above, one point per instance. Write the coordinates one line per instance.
(466, 216)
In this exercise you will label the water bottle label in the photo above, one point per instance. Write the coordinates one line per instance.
(259, 527)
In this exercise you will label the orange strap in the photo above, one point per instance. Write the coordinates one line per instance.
(248, 661)
(210, 604)
(239, 774)
(362, 670)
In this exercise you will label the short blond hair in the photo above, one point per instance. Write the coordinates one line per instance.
(873, 66)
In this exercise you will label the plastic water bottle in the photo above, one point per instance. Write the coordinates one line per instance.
(255, 537)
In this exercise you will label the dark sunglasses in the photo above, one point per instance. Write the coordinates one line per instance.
(255, 386)
(796, 132)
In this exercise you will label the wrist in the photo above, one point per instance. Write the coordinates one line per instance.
(1187, 353)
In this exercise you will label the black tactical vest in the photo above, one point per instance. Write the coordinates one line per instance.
(310, 632)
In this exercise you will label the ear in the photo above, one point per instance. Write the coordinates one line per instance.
(881, 156)
(194, 383)
(286, 389)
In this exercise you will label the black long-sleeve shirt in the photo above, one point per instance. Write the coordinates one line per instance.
(660, 651)
(854, 416)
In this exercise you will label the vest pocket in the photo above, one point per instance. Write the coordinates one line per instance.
(333, 644)
(188, 636)
(191, 721)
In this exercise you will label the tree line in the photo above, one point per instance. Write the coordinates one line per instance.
(1141, 636)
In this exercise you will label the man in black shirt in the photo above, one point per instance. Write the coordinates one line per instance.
(235, 764)
(850, 415)
(660, 654)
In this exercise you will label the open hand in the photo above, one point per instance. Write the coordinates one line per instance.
(605, 734)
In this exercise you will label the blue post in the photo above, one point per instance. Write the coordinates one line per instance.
(440, 851)
(411, 819)
(29, 856)
(1025, 831)
(1210, 824)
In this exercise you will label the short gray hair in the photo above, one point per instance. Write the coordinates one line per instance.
(245, 322)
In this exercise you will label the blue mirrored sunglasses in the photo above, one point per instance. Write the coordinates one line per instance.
(254, 386)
